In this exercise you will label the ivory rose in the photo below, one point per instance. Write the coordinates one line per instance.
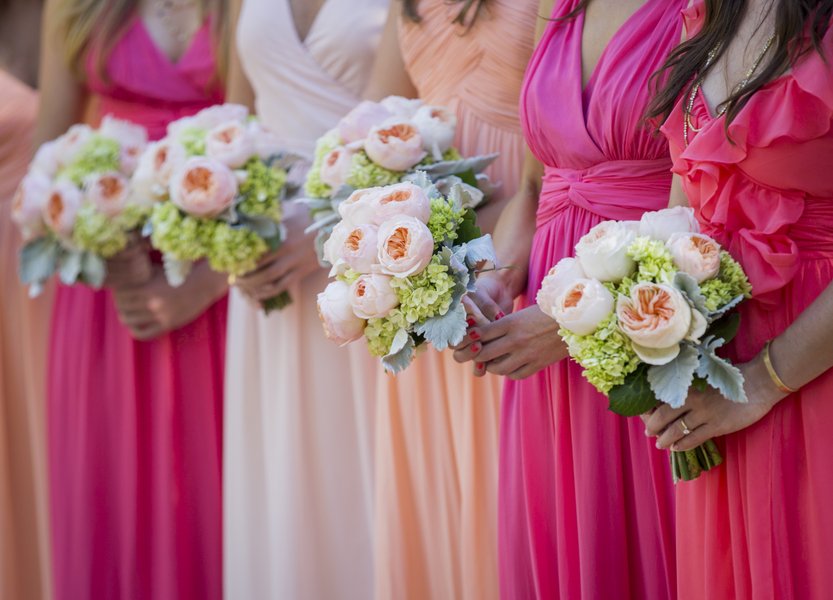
(45, 160)
(211, 117)
(341, 325)
(266, 142)
(132, 138)
(656, 318)
(29, 202)
(603, 252)
(156, 166)
(372, 297)
(437, 126)
(566, 272)
(230, 143)
(62, 205)
(336, 167)
(360, 248)
(405, 246)
(359, 121)
(203, 187)
(695, 254)
(70, 144)
(395, 146)
(332, 250)
(360, 207)
(582, 306)
(108, 192)
(662, 224)
(402, 199)
(402, 108)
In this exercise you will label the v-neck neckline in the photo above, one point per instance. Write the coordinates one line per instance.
(176, 64)
(304, 43)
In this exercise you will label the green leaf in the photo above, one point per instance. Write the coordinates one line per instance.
(634, 397)
(671, 382)
(726, 328)
(721, 374)
(445, 330)
(278, 302)
(93, 269)
(468, 230)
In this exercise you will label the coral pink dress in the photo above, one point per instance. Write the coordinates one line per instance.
(760, 526)
(437, 425)
(135, 428)
(586, 500)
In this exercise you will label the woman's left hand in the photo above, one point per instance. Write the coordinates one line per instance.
(709, 414)
(516, 346)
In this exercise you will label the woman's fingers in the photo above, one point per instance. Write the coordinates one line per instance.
(697, 437)
(488, 307)
(677, 430)
(662, 417)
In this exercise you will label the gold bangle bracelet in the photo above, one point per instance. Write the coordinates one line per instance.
(779, 383)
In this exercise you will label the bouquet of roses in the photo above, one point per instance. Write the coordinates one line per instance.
(403, 257)
(218, 181)
(644, 308)
(382, 143)
(74, 206)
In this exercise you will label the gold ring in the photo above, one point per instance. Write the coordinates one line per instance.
(684, 427)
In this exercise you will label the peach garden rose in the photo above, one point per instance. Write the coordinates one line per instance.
(405, 246)
(203, 187)
(395, 146)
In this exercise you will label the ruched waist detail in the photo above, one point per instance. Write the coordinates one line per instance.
(152, 115)
(619, 190)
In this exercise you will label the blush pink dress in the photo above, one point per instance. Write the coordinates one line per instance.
(760, 526)
(437, 425)
(24, 330)
(586, 500)
(135, 428)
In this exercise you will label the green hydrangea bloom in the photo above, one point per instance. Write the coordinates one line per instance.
(452, 154)
(366, 174)
(261, 191)
(606, 355)
(193, 140)
(234, 250)
(444, 221)
(97, 233)
(133, 217)
(426, 295)
(99, 155)
(180, 235)
(730, 283)
(349, 276)
(654, 261)
(380, 332)
(314, 187)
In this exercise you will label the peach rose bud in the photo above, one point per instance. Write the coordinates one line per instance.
(582, 306)
(656, 318)
(566, 272)
(359, 121)
(359, 249)
(29, 202)
(662, 224)
(405, 246)
(695, 254)
(108, 192)
(341, 325)
(230, 143)
(402, 199)
(62, 205)
(396, 146)
(372, 296)
(336, 167)
(203, 187)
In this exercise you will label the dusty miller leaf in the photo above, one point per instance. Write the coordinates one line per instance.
(720, 373)
(402, 352)
(445, 330)
(671, 382)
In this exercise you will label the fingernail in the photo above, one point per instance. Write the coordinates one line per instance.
(480, 366)
(647, 434)
(471, 322)
(675, 448)
(475, 348)
(500, 315)
(658, 446)
(474, 335)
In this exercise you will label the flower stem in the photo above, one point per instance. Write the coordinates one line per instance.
(278, 302)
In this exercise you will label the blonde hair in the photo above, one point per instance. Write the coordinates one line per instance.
(95, 25)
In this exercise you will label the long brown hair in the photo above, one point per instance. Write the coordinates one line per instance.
(465, 17)
(800, 26)
(84, 23)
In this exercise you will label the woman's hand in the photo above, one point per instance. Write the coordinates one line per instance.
(131, 267)
(516, 346)
(491, 300)
(154, 308)
(289, 264)
(708, 414)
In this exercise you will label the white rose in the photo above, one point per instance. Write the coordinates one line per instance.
(341, 325)
(45, 161)
(566, 272)
(403, 108)
(360, 208)
(29, 203)
(695, 254)
(266, 142)
(582, 306)
(358, 122)
(437, 126)
(603, 252)
(231, 143)
(70, 144)
(211, 117)
(372, 296)
(153, 174)
(405, 246)
(360, 248)
(132, 139)
(333, 247)
(335, 169)
(656, 318)
(662, 224)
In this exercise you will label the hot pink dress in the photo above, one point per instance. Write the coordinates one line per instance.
(760, 526)
(135, 428)
(586, 506)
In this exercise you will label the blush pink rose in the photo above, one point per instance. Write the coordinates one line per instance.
(156, 166)
(358, 122)
(29, 202)
(333, 247)
(662, 224)
(230, 143)
(397, 146)
(656, 318)
(566, 272)
(108, 192)
(132, 138)
(45, 161)
(70, 144)
(360, 207)
(582, 306)
(695, 254)
(360, 248)
(62, 206)
(402, 199)
(336, 167)
(405, 246)
(266, 142)
(372, 297)
(437, 127)
(341, 325)
(203, 187)
(211, 117)
(401, 107)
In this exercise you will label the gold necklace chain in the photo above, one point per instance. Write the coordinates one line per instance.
(721, 110)
(167, 10)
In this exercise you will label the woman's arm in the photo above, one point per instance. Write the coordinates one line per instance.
(389, 77)
(238, 88)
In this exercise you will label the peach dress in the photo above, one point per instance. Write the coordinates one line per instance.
(437, 425)
(24, 329)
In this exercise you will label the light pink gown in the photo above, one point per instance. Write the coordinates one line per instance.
(760, 527)
(586, 500)
(437, 425)
(24, 329)
(135, 428)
